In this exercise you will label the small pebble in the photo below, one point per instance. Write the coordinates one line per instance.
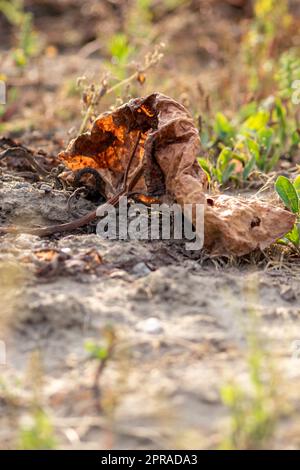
(152, 326)
(23, 185)
(141, 269)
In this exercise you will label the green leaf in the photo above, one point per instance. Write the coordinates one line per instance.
(12, 11)
(287, 193)
(222, 127)
(265, 138)
(280, 112)
(253, 148)
(297, 185)
(95, 351)
(228, 172)
(294, 236)
(224, 158)
(231, 395)
(205, 167)
(296, 138)
(248, 168)
(38, 435)
(225, 165)
(119, 48)
(257, 121)
(247, 110)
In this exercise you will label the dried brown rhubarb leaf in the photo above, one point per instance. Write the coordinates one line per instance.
(167, 150)
(238, 226)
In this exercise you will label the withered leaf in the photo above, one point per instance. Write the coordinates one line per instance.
(167, 150)
(238, 226)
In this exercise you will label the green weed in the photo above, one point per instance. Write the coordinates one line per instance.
(289, 193)
(38, 433)
(255, 407)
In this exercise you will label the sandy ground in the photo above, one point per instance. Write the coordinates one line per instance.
(180, 327)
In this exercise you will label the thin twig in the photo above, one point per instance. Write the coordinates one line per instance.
(66, 227)
(99, 371)
(73, 196)
(130, 159)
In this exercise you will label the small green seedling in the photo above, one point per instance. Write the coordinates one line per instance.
(289, 193)
(254, 410)
(95, 351)
(226, 165)
(261, 140)
(39, 434)
(224, 130)
(256, 137)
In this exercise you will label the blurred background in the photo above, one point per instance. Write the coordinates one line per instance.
(208, 54)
